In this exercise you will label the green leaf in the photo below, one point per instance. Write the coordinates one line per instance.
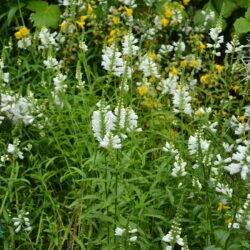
(212, 247)
(221, 236)
(225, 7)
(247, 14)
(12, 13)
(242, 3)
(44, 14)
(37, 6)
(242, 25)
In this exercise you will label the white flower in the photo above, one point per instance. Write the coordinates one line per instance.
(133, 239)
(17, 108)
(233, 46)
(168, 85)
(112, 61)
(59, 82)
(241, 162)
(181, 102)
(169, 147)
(224, 189)
(128, 46)
(111, 141)
(148, 67)
(129, 3)
(119, 231)
(24, 43)
(179, 167)
(22, 221)
(11, 148)
(197, 141)
(6, 77)
(51, 62)
(47, 38)
(133, 231)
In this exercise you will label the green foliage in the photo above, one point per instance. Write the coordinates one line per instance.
(44, 14)
(227, 10)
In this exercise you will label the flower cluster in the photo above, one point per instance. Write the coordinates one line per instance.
(105, 123)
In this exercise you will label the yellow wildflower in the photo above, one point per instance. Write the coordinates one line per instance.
(143, 90)
(152, 79)
(81, 23)
(168, 13)
(129, 11)
(116, 20)
(152, 55)
(22, 32)
(199, 113)
(221, 207)
(110, 40)
(148, 103)
(203, 79)
(174, 71)
(186, 2)
(183, 63)
(202, 47)
(83, 18)
(229, 220)
(18, 35)
(90, 9)
(195, 64)
(236, 88)
(242, 118)
(219, 68)
(112, 33)
(164, 22)
(63, 26)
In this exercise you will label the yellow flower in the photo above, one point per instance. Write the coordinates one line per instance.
(63, 26)
(195, 64)
(202, 47)
(152, 55)
(148, 103)
(236, 88)
(116, 20)
(143, 90)
(168, 12)
(174, 71)
(242, 118)
(83, 18)
(81, 22)
(129, 11)
(219, 68)
(22, 32)
(221, 207)
(112, 33)
(18, 35)
(183, 63)
(203, 79)
(186, 2)
(164, 22)
(199, 113)
(90, 9)
(229, 220)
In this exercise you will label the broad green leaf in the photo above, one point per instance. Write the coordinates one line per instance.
(242, 3)
(221, 236)
(44, 14)
(247, 15)
(242, 25)
(225, 7)
(37, 6)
